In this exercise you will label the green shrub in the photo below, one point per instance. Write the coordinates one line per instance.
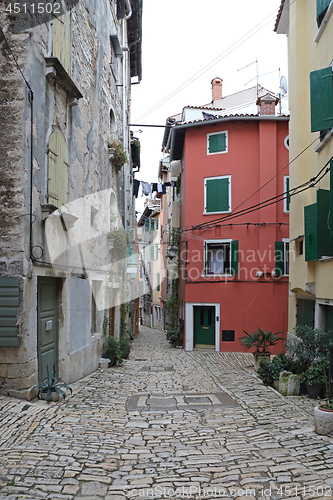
(112, 350)
(269, 371)
(317, 374)
(311, 346)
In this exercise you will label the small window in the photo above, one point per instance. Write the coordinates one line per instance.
(218, 194)
(286, 201)
(221, 257)
(300, 247)
(228, 335)
(217, 143)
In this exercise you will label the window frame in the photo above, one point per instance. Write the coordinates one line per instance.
(225, 132)
(221, 241)
(205, 194)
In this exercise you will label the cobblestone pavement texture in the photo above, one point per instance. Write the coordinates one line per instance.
(167, 424)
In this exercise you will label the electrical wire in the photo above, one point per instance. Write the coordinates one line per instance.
(297, 190)
(220, 57)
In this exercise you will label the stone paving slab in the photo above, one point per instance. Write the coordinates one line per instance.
(95, 445)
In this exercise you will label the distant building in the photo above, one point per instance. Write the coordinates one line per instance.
(234, 258)
(309, 27)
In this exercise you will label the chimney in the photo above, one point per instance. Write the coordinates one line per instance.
(267, 104)
(216, 89)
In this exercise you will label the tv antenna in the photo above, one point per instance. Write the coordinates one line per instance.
(257, 72)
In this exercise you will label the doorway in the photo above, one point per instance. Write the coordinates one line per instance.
(47, 326)
(204, 326)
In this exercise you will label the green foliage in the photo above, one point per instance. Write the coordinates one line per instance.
(311, 345)
(327, 406)
(51, 385)
(120, 151)
(269, 371)
(120, 242)
(260, 340)
(178, 185)
(124, 347)
(112, 350)
(317, 374)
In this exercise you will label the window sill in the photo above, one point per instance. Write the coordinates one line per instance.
(217, 276)
(56, 71)
(216, 213)
(324, 141)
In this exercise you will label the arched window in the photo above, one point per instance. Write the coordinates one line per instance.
(57, 170)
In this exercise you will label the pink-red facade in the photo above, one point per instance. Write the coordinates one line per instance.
(255, 294)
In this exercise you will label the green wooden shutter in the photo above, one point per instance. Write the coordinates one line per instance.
(222, 142)
(305, 312)
(217, 195)
(310, 232)
(213, 143)
(152, 251)
(279, 258)
(321, 94)
(288, 195)
(152, 224)
(331, 200)
(156, 225)
(158, 282)
(325, 242)
(61, 39)
(322, 6)
(57, 170)
(234, 257)
(9, 304)
(147, 225)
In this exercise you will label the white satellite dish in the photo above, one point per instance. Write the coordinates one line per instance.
(283, 85)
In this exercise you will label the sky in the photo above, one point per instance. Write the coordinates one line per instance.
(187, 43)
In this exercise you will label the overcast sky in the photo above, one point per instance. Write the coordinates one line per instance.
(186, 44)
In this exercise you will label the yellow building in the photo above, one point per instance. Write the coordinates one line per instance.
(309, 27)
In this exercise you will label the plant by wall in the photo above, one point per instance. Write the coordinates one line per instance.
(120, 242)
(119, 151)
(311, 345)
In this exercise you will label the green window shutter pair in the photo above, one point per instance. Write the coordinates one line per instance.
(321, 93)
(322, 6)
(318, 242)
(279, 258)
(217, 143)
(9, 305)
(217, 195)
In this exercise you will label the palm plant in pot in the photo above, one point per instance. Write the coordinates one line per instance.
(50, 389)
(261, 341)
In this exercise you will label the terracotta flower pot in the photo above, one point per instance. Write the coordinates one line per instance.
(323, 421)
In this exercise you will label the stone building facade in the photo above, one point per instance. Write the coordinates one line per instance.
(66, 184)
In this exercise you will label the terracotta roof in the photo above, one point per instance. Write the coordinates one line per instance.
(279, 15)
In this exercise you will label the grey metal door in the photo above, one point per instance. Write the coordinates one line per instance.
(47, 317)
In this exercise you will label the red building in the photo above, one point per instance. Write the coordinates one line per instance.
(234, 249)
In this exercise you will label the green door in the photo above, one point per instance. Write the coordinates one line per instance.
(47, 317)
(204, 326)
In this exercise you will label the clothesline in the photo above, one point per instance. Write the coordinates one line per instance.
(148, 188)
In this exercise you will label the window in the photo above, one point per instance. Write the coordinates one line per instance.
(318, 241)
(57, 170)
(217, 143)
(286, 201)
(282, 258)
(221, 257)
(218, 194)
(321, 94)
(322, 6)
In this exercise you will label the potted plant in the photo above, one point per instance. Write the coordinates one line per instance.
(261, 341)
(117, 153)
(50, 389)
(269, 371)
(315, 379)
(323, 419)
(112, 351)
(125, 348)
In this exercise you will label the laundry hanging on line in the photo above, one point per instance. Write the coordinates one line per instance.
(148, 188)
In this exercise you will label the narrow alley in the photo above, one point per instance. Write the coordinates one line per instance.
(167, 424)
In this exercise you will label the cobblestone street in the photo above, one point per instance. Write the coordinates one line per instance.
(167, 424)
